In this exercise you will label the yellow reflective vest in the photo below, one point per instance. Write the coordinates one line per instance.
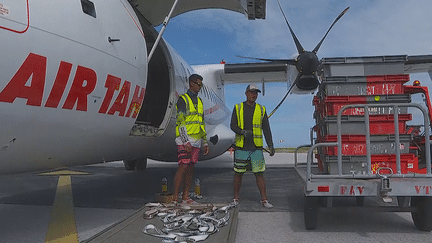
(194, 118)
(258, 116)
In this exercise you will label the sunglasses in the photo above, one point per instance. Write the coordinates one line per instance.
(199, 84)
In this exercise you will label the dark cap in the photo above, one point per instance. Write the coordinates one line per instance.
(194, 77)
(252, 87)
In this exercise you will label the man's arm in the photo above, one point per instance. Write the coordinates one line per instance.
(181, 115)
(204, 139)
(268, 134)
(234, 123)
(234, 126)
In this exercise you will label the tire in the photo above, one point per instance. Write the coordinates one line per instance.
(310, 212)
(360, 201)
(141, 164)
(323, 202)
(422, 216)
(403, 201)
(129, 164)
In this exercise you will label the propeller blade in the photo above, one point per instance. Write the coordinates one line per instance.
(334, 22)
(300, 48)
(289, 91)
(287, 61)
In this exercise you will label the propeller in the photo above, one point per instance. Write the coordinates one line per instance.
(306, 63)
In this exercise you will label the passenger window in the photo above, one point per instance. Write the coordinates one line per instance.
(88, 7)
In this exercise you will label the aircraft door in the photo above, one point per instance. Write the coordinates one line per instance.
(14, 15)
(154, 114)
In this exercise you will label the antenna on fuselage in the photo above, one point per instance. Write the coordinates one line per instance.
(165, 23)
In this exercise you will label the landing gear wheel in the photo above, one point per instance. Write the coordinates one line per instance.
(422, 216)
(129, 164)
(141, 164)
(310, 212)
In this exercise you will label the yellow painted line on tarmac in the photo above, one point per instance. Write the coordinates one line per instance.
(62, 225)
(64, 172)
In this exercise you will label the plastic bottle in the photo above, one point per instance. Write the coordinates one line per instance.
(197, 187)
(164, 185)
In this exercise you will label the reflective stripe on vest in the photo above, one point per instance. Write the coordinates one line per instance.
(194, 117)
(258, 116)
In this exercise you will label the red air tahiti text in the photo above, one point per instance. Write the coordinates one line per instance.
(83, 84)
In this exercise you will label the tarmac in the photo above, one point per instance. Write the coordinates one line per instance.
(107, 195)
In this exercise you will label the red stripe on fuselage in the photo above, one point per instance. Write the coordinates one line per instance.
(29, 83)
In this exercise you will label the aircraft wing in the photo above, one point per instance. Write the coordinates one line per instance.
(376, 65)
(257, 72)
(155, 11)
(334, 66)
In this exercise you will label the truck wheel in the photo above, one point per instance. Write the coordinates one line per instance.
(141, 164)
(323, 201)
(403, 201)
(422, 216)
(310, 212)
(360, 201)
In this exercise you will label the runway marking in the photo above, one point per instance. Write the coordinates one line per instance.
(64, 172)
(62, 225)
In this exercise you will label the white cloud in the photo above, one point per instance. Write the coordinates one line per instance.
(373, 27)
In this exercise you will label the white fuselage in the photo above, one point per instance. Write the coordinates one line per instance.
(69, 96)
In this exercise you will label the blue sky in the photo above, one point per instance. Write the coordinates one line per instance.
(369, 28)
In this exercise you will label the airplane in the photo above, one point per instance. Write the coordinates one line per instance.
(78, 86)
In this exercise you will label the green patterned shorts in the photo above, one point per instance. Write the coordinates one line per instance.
(249, 161)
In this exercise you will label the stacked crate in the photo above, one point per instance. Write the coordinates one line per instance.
(336, 92)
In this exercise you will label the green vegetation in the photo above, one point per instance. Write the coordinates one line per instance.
(291, 150)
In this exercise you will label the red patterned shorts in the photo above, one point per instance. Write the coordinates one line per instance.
(187, 158)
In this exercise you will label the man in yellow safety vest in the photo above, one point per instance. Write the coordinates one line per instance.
(190, 136)
(249, 121)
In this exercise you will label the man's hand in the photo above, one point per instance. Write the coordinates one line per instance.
(272, 151)
(206, 149)
(188, 147)
(247, 133)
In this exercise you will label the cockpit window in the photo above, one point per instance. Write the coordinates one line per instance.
(88, 7)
